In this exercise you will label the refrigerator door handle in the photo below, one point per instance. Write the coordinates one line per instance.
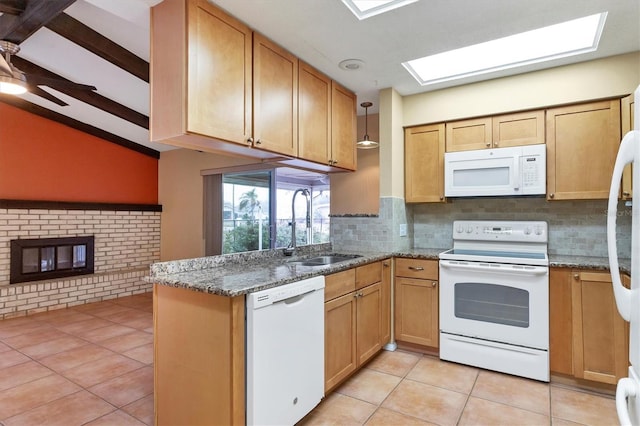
(626, 388)
(625, 156)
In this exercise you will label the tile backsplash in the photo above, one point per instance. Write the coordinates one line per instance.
(575, 227)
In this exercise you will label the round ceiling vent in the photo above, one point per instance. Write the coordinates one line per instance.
(351, 64)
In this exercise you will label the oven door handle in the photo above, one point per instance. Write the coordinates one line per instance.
(505, 268)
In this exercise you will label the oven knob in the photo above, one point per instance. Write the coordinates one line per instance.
(469, 230)
(538, 231)
(460, 229)
(527, 231)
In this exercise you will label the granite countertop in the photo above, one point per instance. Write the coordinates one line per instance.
(242, 273)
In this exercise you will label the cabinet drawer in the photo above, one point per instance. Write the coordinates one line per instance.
(417, 268)
(368, 274)
(339, 283)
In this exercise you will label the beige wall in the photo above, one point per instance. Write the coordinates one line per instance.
(391, 144)
(180, 193)
(359, 192)
(609, 77)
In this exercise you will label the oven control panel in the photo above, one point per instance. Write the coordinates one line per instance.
(510, 231)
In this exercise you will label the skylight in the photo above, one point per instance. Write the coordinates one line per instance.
(543, 44)
(367, 8)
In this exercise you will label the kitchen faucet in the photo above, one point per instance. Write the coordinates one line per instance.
(307, 195)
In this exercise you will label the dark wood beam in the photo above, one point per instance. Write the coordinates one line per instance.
(13, 7)
(80, 34)
(37, 14)
(78, 125)
(87, 96)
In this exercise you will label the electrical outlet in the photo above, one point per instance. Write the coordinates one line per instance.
(403, 229)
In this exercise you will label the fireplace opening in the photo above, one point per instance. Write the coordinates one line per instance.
(48, 258)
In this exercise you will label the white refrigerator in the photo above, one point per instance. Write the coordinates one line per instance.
(628, 300)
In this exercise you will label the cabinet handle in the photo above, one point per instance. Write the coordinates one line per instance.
(258, 142)
(385, 264)
(552, 195)
(495, 144)
(416, 268)
(576, 276)
(626, 194)
(249, 140)
(488, 144)
(441, 198)
(434, 284)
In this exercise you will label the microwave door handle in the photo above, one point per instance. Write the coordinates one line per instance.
(516, 173)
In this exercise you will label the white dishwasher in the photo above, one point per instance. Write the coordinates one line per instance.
(285, 352)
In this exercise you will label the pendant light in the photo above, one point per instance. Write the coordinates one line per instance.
(366, 143)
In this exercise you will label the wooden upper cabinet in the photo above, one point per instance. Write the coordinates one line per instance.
(314, 114)
(343, 127)
(501, 131)
(424, 163)
(627, 125)
(201, 74)
(582, 144)
(522, 128)
(275, 98)
(466, 135)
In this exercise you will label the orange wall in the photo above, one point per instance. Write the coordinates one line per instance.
(44, 160)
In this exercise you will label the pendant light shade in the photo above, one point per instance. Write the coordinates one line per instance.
(365, 142)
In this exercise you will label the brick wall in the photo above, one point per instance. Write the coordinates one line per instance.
(126, 243)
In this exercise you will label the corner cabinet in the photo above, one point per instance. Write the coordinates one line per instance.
(627, 125)
(343, 128)
(416, 302)
(582, 144)
(424, 163)
(501, 131)
(355, 319)
(588, 338)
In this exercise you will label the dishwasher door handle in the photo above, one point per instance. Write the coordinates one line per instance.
(295, 299)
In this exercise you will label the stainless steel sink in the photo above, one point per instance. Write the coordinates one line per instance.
(324, 260)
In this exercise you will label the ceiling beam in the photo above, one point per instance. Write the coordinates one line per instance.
(82, 35)
(36, 14)
(78, 125)
(86, 96)
(13, 7)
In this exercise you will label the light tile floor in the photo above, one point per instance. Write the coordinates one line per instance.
(405, 388)
(86, 365)
(93, 365)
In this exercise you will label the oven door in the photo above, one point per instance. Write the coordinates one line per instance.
(498, 302)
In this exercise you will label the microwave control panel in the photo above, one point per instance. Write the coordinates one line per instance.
(532, 167)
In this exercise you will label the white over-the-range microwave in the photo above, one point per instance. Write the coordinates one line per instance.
(510, 171)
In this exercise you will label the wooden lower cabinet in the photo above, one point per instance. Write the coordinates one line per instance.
(588, 338)
(416, 302)
(355, 320)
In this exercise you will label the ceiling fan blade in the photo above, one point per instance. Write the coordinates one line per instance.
(5, 67)
(46, 95)
(55, 83)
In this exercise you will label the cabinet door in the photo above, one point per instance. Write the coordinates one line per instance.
(424, 164)
(523, 128)
(343, 127)
(627, 125)
(465, 135)
(314, 114)
(582, 144)
(275, 98)
(385, 327)
(598, 330)
(416, 311)
(219, 88)
(339, 339)
(560, 322)
(368, 321)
